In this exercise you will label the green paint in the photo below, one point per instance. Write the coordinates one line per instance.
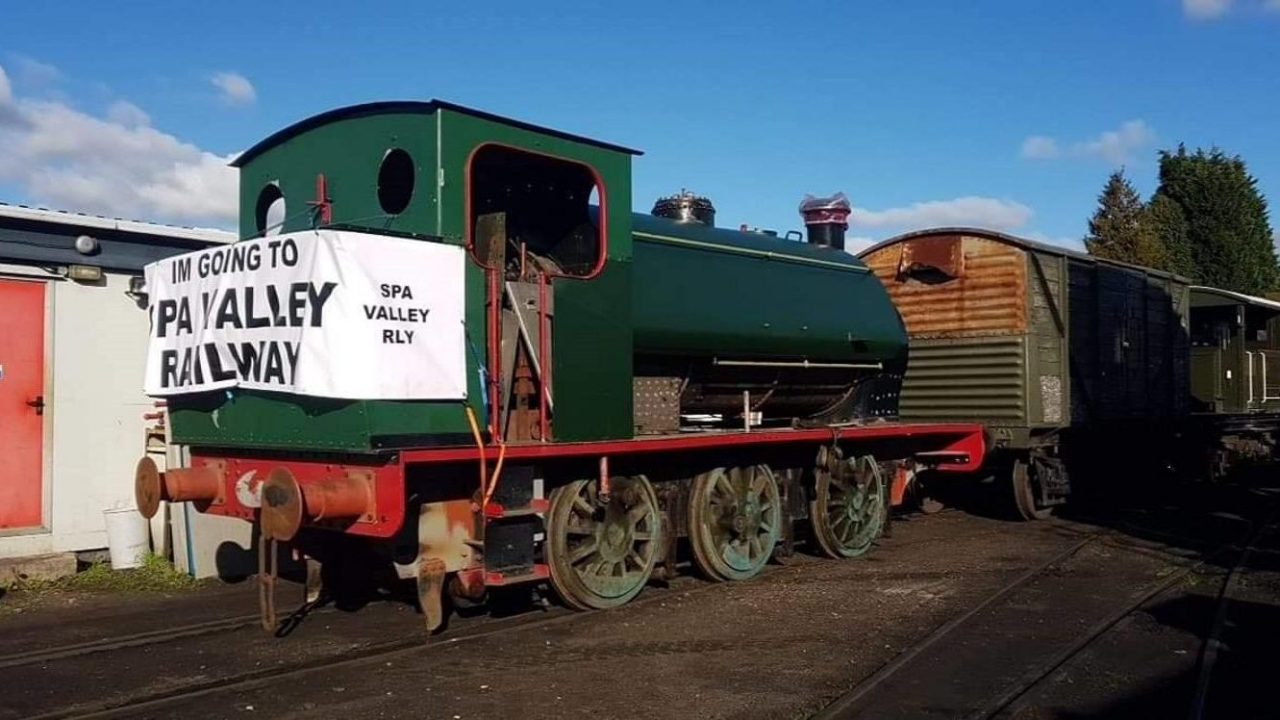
(669, 289)
(706, 292)
(348, 151)
(592, 356)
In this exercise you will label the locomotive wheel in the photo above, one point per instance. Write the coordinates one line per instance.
(735, 516)
(601, 554)
(849, 505)
(1023, 486)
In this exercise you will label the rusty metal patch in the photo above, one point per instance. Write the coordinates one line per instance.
(937, 258)
(986, 296)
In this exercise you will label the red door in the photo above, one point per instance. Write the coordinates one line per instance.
(21, 404)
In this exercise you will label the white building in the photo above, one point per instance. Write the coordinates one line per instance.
(73, 340)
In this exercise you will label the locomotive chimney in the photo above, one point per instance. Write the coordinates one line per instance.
(826, 219)
(686, 207)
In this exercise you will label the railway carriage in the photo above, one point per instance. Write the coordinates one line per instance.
(1061, 355)
(1078, 365)
(446, 337)
(1235, 380)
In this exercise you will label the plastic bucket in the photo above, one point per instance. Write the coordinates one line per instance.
(126, 537)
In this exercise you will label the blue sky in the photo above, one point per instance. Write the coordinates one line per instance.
(1005, 114)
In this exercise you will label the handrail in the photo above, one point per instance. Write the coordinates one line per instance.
(1249, 358)
(1262, 354)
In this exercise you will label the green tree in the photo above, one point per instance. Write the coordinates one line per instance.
(1228, 232)
(1116, 227)
(1165, 227)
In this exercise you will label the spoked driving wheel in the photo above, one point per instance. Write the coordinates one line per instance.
(849, 504)
(601, 554)
(735, 515)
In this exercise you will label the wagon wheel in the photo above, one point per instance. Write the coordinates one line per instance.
(601, 554)
(735, 516)
(1025, 488)
(849, 504)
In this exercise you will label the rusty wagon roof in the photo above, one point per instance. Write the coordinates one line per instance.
(1021, 242)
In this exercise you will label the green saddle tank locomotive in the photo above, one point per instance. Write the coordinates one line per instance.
(446, 338)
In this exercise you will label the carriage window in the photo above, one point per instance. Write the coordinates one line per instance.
(531, 213)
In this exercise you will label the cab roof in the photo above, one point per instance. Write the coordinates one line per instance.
(423, 107)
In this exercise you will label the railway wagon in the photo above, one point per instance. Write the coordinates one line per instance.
(1235, 380)
(1060, 354)
(446, 340)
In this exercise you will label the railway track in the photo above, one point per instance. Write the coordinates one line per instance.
(152, 637)
(154, 703)
(402, 643)
(882, 694)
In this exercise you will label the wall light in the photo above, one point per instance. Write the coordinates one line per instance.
(84, 273)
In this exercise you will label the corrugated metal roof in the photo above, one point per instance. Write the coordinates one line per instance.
(1023, 242)
(63, 217)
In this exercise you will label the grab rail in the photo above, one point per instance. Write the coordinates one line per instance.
(1249, 360)
(1260, 355)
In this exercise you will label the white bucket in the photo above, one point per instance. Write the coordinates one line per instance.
(126, 537)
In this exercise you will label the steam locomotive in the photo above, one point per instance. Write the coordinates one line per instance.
(460, 350)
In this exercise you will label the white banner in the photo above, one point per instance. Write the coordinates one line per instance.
(326, 312)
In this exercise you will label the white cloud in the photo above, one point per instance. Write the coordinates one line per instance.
(234, 88)
(1205, 9)
(1039, 147)
(858, 243)
(126, 113)
(1117, 146)
(963, 211)
(1071, 243)
(1215, 9)
(116, 165)
(34, 73)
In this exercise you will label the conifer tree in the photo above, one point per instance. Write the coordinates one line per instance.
(1116, 227)
(1165, 228)
(1229, 241)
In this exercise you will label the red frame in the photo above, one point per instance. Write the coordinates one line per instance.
(388, 479)
(469, 241)
(389, 476)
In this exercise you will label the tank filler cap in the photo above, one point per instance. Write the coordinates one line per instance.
(685, 206)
